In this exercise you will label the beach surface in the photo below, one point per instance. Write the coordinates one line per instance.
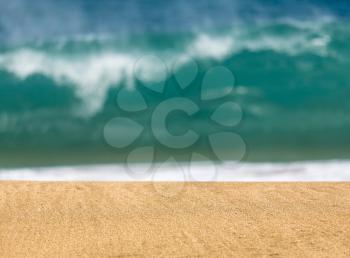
(173, 219)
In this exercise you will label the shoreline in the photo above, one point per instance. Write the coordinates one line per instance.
(302, 171)
(202, 219)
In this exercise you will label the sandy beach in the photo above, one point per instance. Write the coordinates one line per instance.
(195, 219)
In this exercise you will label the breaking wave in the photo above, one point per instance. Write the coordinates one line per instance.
(93, 64)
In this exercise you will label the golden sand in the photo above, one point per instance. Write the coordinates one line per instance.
(143, 219)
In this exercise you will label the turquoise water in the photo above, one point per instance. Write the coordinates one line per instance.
(292, 83)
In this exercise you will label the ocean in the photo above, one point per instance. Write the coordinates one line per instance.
(97, 85)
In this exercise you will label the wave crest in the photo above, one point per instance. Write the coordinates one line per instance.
(92, 73)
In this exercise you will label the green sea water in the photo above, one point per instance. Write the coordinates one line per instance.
(292, 82)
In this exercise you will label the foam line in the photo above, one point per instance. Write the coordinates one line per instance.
(245, 172)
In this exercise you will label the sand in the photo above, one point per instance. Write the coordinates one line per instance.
(196, 219)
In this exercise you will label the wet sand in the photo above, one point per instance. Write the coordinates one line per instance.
(195, 219)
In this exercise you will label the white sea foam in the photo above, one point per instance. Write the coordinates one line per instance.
(209, 46)
(244, 172)
(92, 74)
(220, 47)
